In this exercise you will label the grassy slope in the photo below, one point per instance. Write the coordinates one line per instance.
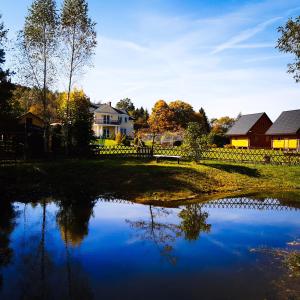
(143, 181)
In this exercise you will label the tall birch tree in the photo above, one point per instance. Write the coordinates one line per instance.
(38, 44)
(78, 41)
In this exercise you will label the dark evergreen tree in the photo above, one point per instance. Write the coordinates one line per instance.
(6, 87)
(203, 120)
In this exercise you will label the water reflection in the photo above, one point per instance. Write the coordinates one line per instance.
(7, 224)
(164, 234)
(38, 273)
(194, 221)
(73, 220)
(79, 249)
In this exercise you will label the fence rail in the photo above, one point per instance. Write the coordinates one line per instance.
(275, 157)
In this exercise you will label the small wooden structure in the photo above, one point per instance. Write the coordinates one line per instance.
(249, 131)
(160, 157)
(285, 132)
(31, 121)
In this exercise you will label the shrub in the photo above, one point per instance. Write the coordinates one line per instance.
(126, 142)
(218, 139)
(213, 146)
(136, 141)
(119, 138)
(229, 146)
(195, 143)
(112, 136)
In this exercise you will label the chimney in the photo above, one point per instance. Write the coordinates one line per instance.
(109, 103)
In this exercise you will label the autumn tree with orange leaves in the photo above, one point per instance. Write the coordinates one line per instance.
(161, 118)
(183, 113)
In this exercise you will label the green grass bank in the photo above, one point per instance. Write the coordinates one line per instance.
(143, 181)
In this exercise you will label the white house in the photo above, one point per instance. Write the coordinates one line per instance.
(108, 121)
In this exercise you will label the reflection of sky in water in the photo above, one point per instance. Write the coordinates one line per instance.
(115, 254)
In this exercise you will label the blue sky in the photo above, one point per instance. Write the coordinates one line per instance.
(217, 54)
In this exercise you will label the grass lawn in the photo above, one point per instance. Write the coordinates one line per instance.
(106, 142)
(143, 181)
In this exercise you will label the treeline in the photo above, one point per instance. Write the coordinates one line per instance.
(140, 115)
(176, 117)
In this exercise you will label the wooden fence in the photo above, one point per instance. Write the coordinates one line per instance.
(219, 154)
(8, 152)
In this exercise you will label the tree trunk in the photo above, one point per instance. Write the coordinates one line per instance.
(153, 140)
(44, 96)
(68, 262)
(69, 93)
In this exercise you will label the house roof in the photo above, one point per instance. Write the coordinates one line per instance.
(106, 108)
(30, 114)
(287, 123)
(244, 124)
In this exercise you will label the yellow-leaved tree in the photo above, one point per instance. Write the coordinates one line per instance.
(77, 124)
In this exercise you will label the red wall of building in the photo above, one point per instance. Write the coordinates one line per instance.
(257, 136)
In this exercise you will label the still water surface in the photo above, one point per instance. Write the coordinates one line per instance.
(119, 250)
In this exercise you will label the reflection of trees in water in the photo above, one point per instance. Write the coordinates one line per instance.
(73, 220)
(7, 224)
(38, 275)
(160, 233)
(35, 261)
(164, 234)
(193, 222)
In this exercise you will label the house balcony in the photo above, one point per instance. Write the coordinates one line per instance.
(101, 121)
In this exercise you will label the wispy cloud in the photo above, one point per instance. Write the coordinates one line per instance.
(170, 57)
(254, 46)
(244, 35)
(261, 58)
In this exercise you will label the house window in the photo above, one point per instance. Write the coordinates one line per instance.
(125, 119)
(105, 132)
(106, 119)
(120, 119)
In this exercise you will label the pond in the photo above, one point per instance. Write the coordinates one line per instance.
(113, 249)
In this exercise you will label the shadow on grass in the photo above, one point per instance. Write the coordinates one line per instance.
(251, 172)
(89, 179)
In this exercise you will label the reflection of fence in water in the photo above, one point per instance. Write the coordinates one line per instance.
(115, 200)
(230, 203)
(247, 203)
